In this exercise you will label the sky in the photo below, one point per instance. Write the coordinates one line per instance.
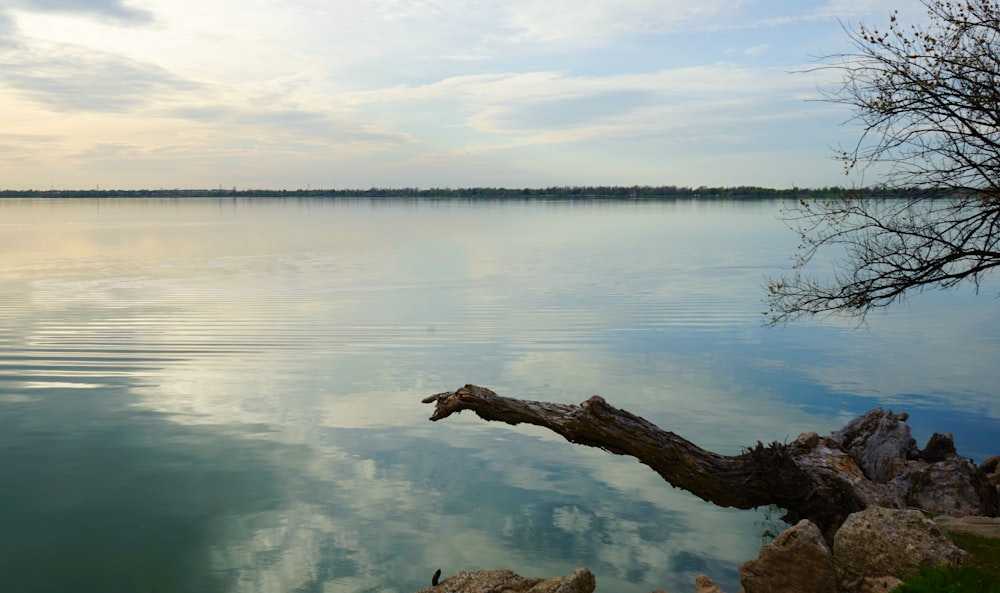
(297, 94)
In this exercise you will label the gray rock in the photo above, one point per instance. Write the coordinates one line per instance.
(953, 486)
(881, 542)
(938, 448)
(797, 561)
(878, 584)
(936, 479)
(981, 526)
(879, 442)
(704, 584)
(991, 469)
(492, 581)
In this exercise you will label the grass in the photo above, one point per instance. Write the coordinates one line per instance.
(979, 574)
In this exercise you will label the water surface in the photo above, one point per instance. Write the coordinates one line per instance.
(224, 395)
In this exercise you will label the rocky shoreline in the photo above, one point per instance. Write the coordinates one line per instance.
(871, 552)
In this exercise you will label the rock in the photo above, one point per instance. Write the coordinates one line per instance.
(981, 526)
(879, 542)
(797, 561)
(808, 440)
(936, 479)
(939, 447)
(703, 584)
(953, 486)
(878, 584)
(991, 469)
(491, 581)
(879, 442)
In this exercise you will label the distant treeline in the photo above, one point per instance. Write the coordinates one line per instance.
(634, 192)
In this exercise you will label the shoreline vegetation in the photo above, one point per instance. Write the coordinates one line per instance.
(634, 192)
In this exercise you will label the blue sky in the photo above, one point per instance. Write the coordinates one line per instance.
(427, 93)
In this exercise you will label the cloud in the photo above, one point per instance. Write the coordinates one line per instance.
(282, 130)
(110, 10)
(567, 112)
(70, 79)
(404, 89)
(8, 30)
(596, 21)
(879, 10)
(557, 107)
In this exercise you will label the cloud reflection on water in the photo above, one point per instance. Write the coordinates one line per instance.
(255, 373)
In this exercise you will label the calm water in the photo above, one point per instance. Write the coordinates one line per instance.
(217, 395)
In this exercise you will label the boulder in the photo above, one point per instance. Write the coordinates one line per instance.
(939, 447)
(981, 526)
(797, 561)
(704, 584)
(953, 486)
(878, 584)
(491, 581)
(936, 478)
(880, 443)
(991, 469)
(880, 542)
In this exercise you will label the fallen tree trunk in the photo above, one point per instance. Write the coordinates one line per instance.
(872, 461)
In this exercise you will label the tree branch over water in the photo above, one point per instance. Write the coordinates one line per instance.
(872, 461)
(927, 99)
(890, 249)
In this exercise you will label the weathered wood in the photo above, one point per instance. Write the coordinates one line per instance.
(871, 462)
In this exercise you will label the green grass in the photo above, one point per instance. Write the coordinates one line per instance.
(980, 573)
(950, 579)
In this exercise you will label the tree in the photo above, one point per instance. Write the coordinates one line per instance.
(928, 101)
(872, 461)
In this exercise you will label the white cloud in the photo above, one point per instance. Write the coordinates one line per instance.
(595, 21)
(69, 78)
(870, 10)
(401, 88)
(553, 107)
(8, 31)
(115, 11)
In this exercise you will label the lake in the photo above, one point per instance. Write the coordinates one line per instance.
(223, 395)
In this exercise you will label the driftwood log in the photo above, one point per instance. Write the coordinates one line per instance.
(873, 461)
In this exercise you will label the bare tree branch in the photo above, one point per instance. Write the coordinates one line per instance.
(928, 102)
(822, 479)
